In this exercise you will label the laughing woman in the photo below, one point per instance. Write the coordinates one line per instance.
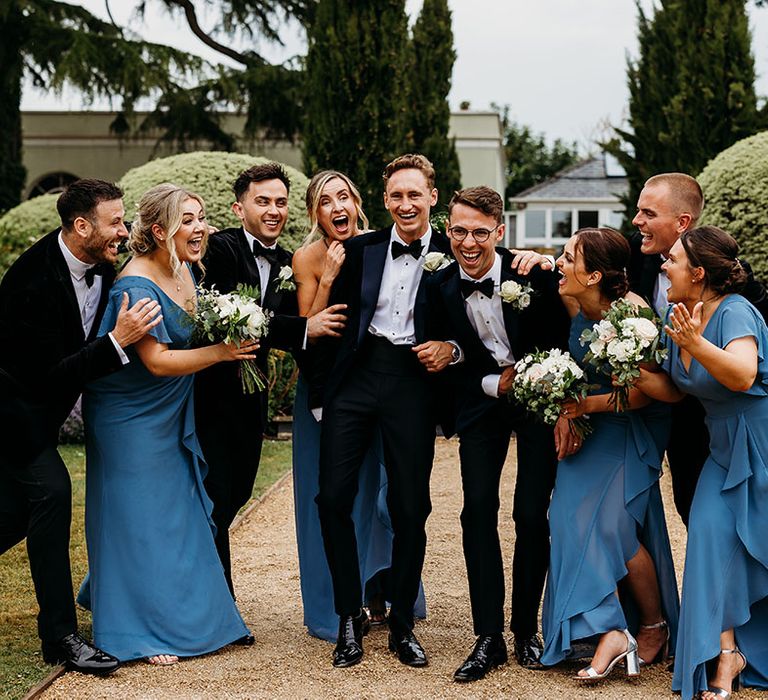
(719, 353)
(156, 586)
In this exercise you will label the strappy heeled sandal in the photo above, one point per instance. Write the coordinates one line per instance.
(722, 693)
(663, 653)
(632, 663)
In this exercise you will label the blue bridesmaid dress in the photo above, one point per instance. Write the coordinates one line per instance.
(725, 583)
(370, 514)
(155, 584)
(606, 502)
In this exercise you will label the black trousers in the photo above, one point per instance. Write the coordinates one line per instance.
(36, 503)
(483, 450)
(687, 450)
(388, 389)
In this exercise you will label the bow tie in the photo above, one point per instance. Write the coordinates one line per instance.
(413, 249)
(470, 286)
(91, 272)
(269, 254)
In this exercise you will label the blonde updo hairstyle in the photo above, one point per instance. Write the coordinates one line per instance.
(315, 193)
(163, 205)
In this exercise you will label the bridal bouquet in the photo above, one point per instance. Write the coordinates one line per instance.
(233, 318)
(626, 337)
(543, 380)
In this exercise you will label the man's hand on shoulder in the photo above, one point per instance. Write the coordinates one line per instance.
(328, 322)
(134, 323)
(526, 260)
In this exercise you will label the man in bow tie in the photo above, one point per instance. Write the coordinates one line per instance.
(495, 328)
(230, 424)
(52, 300)
(379, 379)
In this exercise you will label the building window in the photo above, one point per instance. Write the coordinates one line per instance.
(535, 223)
(561, 224)
(588, 219)
(52, 184)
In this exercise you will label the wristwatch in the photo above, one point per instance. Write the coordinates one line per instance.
(455, 353)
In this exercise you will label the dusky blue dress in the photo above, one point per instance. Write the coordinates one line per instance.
(606, 502)
(725, 582)
(155, 584)
(370, 514)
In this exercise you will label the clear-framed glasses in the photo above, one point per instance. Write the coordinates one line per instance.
(481, 235)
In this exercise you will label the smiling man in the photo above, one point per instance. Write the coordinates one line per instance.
(494, 331)
(51, 303)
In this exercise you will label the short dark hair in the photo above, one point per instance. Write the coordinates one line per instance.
(715, 251)
(481, 197)
(606, 251)
(411, 161)
(259, 173)
(81, 198)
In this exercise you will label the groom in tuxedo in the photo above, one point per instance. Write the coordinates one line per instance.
(230, 424)
(494, 331)
(379, 379)
(51, 303)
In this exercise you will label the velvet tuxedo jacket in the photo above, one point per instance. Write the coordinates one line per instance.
(45, 358)
(543, 325)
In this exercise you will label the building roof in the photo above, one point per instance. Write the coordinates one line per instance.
(588, 180)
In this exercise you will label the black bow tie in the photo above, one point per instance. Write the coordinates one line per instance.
(470, 286)
(269, 254)
(413, 249)
(91, 272)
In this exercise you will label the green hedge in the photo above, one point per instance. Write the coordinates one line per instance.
(735, 185)
(21, 226)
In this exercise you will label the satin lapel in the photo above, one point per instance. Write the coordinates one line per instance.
(651, 269)
(374, 257)
(106, 284)
(250, 270)
(61, 271)
(420, 305)
(511, 317)
(458, 312)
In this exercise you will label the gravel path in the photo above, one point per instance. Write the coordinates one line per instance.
(285, 662)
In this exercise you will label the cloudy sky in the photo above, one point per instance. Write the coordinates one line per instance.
(559, 64)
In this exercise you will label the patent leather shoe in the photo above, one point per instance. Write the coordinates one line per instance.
(349, 644)
(247, 641)
(528, 651)
(407, 647)
(79, 655)
(490, 651)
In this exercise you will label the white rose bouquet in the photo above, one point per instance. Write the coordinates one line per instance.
(627, 337)
(233, 318)
(545, 379)
(519, 295)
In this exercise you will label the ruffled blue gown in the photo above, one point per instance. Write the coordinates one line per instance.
(155, 585)
(725, 583)
(370, 514)
(606, 502)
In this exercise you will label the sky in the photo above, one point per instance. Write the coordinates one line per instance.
(560, 65)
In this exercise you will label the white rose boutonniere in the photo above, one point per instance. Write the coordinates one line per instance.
(518, 295)
(436, 261)
(284, 279)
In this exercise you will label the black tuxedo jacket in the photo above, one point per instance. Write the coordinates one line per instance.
(644, 269)
(358, 286)
(45, 358)
(543, 325)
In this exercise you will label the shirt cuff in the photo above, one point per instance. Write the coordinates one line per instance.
(461, 353)
(304, 343)
(491, 385)
(317, 414)
(120, 352)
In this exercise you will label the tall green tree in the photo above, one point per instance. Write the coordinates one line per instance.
(356, 108)
(691, 89)
(434, 57)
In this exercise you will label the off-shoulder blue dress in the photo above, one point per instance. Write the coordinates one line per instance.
(155, 584)
(725, 583)
(606, 502)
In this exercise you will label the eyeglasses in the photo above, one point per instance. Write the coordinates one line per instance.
(481, 235)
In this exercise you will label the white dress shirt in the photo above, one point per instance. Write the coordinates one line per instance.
(87, 297)
(393, 317)
(487, 318)
(261, 263)
(660, 301)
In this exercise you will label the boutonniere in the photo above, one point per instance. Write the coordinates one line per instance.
(284, 279)
(518, 295)
(436, 261)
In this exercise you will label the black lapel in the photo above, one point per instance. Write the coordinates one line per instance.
(273, 296)
(651, 268)
(511, 316)
(250, 270)
(107, 278)
(438, 243)
(374, 257)
(64, 279)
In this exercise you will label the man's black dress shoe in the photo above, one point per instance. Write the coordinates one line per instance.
(248, 641)
(349, 644)
(78, 655)
(407, 648)
(490, 651)
(528, 651)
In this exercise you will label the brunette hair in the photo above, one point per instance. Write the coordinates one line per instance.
(685, 192)
(606, 251)
(315, 193)
(481, 197)
(259, 173)
(411, 160)
(81, 198)
(715, 251)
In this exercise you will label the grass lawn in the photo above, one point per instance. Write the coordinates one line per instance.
(21, 663)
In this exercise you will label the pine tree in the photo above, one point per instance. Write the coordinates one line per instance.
(12, 172)
(691, 89)
(356, 93)
(434, 57)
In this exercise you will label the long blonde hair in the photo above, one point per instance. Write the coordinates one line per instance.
(161, 205)
(312, 200)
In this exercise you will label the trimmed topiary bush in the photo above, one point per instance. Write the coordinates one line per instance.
(211, 174)
(21, 226)
(735, 185)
